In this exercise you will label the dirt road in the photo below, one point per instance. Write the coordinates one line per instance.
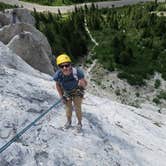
(65, 9)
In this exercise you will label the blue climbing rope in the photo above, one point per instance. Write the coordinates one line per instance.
(27, 127)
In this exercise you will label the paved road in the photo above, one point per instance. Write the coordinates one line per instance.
(65, 9)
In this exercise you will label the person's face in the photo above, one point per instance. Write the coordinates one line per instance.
(65, 68)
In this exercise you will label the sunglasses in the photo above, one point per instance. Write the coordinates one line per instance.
(66, 66)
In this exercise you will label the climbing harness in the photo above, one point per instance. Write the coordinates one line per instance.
(28, 127)
(75, 92)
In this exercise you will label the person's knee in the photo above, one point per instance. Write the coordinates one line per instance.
(78, 112)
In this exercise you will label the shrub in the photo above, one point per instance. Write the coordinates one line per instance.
(157, 83)
(161, 8)
(125, 58)
(89, 61)
(117, 92)
(164, 75)
(162, 95)
(109, 64)
(137, 94)
(156, 100)
(132, 79)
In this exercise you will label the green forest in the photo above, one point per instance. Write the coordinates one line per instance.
(61, 2)
(131, 39)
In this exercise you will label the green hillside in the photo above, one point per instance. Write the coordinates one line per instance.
(131, 39)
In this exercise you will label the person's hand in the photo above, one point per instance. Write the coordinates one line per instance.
(82, 83)
(64, 100)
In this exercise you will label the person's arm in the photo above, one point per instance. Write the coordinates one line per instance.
(81, 79)
(59, 89)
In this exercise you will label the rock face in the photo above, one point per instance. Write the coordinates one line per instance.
(113, 134)
(31, 51)
(14, 35)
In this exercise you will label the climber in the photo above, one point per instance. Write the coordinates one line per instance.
(70, 84)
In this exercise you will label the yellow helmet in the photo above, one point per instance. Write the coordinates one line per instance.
(63, 58)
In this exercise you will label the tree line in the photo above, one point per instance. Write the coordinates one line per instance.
(61, 2)
(4, 6)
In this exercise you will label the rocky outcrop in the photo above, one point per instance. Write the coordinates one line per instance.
(20, 43)
(24, 15)
(4, 20)
(8, 32)
(30, 50)
(24, 39)
(11, 60)
(20, 14)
